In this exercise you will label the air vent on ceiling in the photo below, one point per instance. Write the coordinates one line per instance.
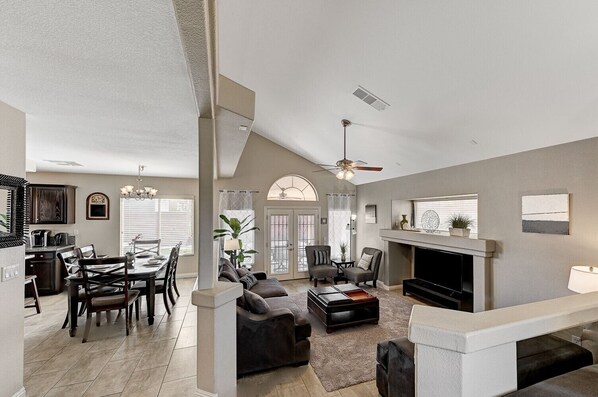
(370, 98)
(65, 162)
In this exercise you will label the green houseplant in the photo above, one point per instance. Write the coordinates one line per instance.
(3, 223)
(459, 225)
(235, 229)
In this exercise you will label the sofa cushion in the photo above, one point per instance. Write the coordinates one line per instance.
(229, 269)
(248, 281)
(357, 274)
(242, 272)
(269, 288)
(323, 271)
(228, 275)
(255, 303)
(302, 324)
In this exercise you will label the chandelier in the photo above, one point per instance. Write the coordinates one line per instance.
(129, 191)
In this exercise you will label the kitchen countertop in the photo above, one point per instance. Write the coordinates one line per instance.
(49, 248)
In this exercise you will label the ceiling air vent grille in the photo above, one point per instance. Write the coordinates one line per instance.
(370, 98)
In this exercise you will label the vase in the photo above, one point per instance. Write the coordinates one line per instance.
(343, 257)
(404, 222)
(457, 232)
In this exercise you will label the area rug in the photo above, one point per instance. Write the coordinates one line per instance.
(348, 356)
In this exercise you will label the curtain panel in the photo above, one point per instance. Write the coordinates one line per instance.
(339, 216)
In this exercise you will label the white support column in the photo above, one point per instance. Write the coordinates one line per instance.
(215, 301)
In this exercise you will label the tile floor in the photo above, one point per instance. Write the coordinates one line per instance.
(158, 360)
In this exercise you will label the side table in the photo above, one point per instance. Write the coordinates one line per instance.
(340, 264)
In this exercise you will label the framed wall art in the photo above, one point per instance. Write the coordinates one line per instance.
(370, 213)
(545, 213)
(98, 207)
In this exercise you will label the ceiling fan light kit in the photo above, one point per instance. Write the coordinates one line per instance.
(346, 168)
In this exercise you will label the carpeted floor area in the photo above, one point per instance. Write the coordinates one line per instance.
(348, 356)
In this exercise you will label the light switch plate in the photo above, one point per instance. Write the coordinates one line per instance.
(9, 272)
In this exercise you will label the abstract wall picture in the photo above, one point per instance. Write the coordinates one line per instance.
(545, 213)
(370, 213)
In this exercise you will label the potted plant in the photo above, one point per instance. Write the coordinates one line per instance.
(343, 247)
(235, 229)
(459, 225)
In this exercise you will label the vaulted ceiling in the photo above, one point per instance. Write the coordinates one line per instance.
(106, 84)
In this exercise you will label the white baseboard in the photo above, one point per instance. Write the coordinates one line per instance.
(20, 393)
(203, 393)
(186, 275)
(389, 288)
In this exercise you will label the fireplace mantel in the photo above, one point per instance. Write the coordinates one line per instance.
(462, 245)
(399, 259)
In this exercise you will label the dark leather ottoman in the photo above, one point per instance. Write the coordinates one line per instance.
(538, 358)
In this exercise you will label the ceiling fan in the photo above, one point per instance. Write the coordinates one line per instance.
(346, 168)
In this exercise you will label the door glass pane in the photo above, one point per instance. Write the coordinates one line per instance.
(279, 242)
(306, 235)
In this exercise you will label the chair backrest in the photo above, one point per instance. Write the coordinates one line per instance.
(310, 253)
(87, 251)
(69, 260)
(146, 247)
(105, 274)
(171, 266)
(375, 264)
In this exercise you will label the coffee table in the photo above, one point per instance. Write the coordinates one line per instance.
(342, 306)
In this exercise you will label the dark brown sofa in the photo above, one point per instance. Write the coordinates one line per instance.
(538, 358)
(273, 339)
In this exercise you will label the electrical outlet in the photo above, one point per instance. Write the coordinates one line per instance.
(576, 339)
(9, 272)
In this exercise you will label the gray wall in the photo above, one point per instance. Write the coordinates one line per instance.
(12, 162)
(526, 267)
(105, 235)
(261, 164)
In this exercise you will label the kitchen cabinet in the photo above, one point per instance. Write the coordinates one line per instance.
(46, 266)
(51, 204)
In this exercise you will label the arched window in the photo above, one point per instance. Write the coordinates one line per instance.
(292, 188)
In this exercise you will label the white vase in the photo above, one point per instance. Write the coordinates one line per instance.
(453, 231)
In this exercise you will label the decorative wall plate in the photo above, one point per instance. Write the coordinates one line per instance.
(430, 221)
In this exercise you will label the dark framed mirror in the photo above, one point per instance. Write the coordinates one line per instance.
(13, 206)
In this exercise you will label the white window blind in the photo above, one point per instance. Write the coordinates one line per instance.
(169, 219)
(445, 208)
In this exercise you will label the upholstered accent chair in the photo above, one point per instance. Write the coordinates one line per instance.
(358, 275)
(318, 265)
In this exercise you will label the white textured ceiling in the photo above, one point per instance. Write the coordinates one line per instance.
(512, 75)
(103, 83)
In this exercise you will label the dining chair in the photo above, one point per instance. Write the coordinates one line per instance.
(99, 276)
(146, 247)
(176, 265)
(70, 262)
(163, 283)
(34, 301)
(89, 251)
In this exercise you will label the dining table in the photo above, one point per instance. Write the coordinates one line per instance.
(144, 269)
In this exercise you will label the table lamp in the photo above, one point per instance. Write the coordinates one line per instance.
(583, 279)
(232, 245)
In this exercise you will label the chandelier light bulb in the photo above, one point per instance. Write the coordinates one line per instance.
(129, 191)
(349, 174)
(340, 174)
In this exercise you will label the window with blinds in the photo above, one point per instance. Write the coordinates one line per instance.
(447, 207)
(169, 219)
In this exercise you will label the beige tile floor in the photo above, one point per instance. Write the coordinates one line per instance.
(158, 360)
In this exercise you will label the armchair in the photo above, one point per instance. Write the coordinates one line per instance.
(319, 270)
(358, 275)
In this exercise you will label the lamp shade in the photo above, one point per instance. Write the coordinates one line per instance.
(232, 245)
(583, 279)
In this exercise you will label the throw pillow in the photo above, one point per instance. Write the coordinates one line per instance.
(248, 281)
(322, 257)
(365, 261)
(255, 303)
(230, 276)
(242, 271)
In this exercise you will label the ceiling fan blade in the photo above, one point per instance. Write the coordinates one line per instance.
(326, 169)
(326, 165)
(367, 168)
(360, 162)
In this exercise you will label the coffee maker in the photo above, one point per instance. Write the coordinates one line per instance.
(39, 238)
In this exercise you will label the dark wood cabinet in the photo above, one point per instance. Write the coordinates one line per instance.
(46, 266)
(51, 204)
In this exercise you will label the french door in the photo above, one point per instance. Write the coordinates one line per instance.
(289, 232)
